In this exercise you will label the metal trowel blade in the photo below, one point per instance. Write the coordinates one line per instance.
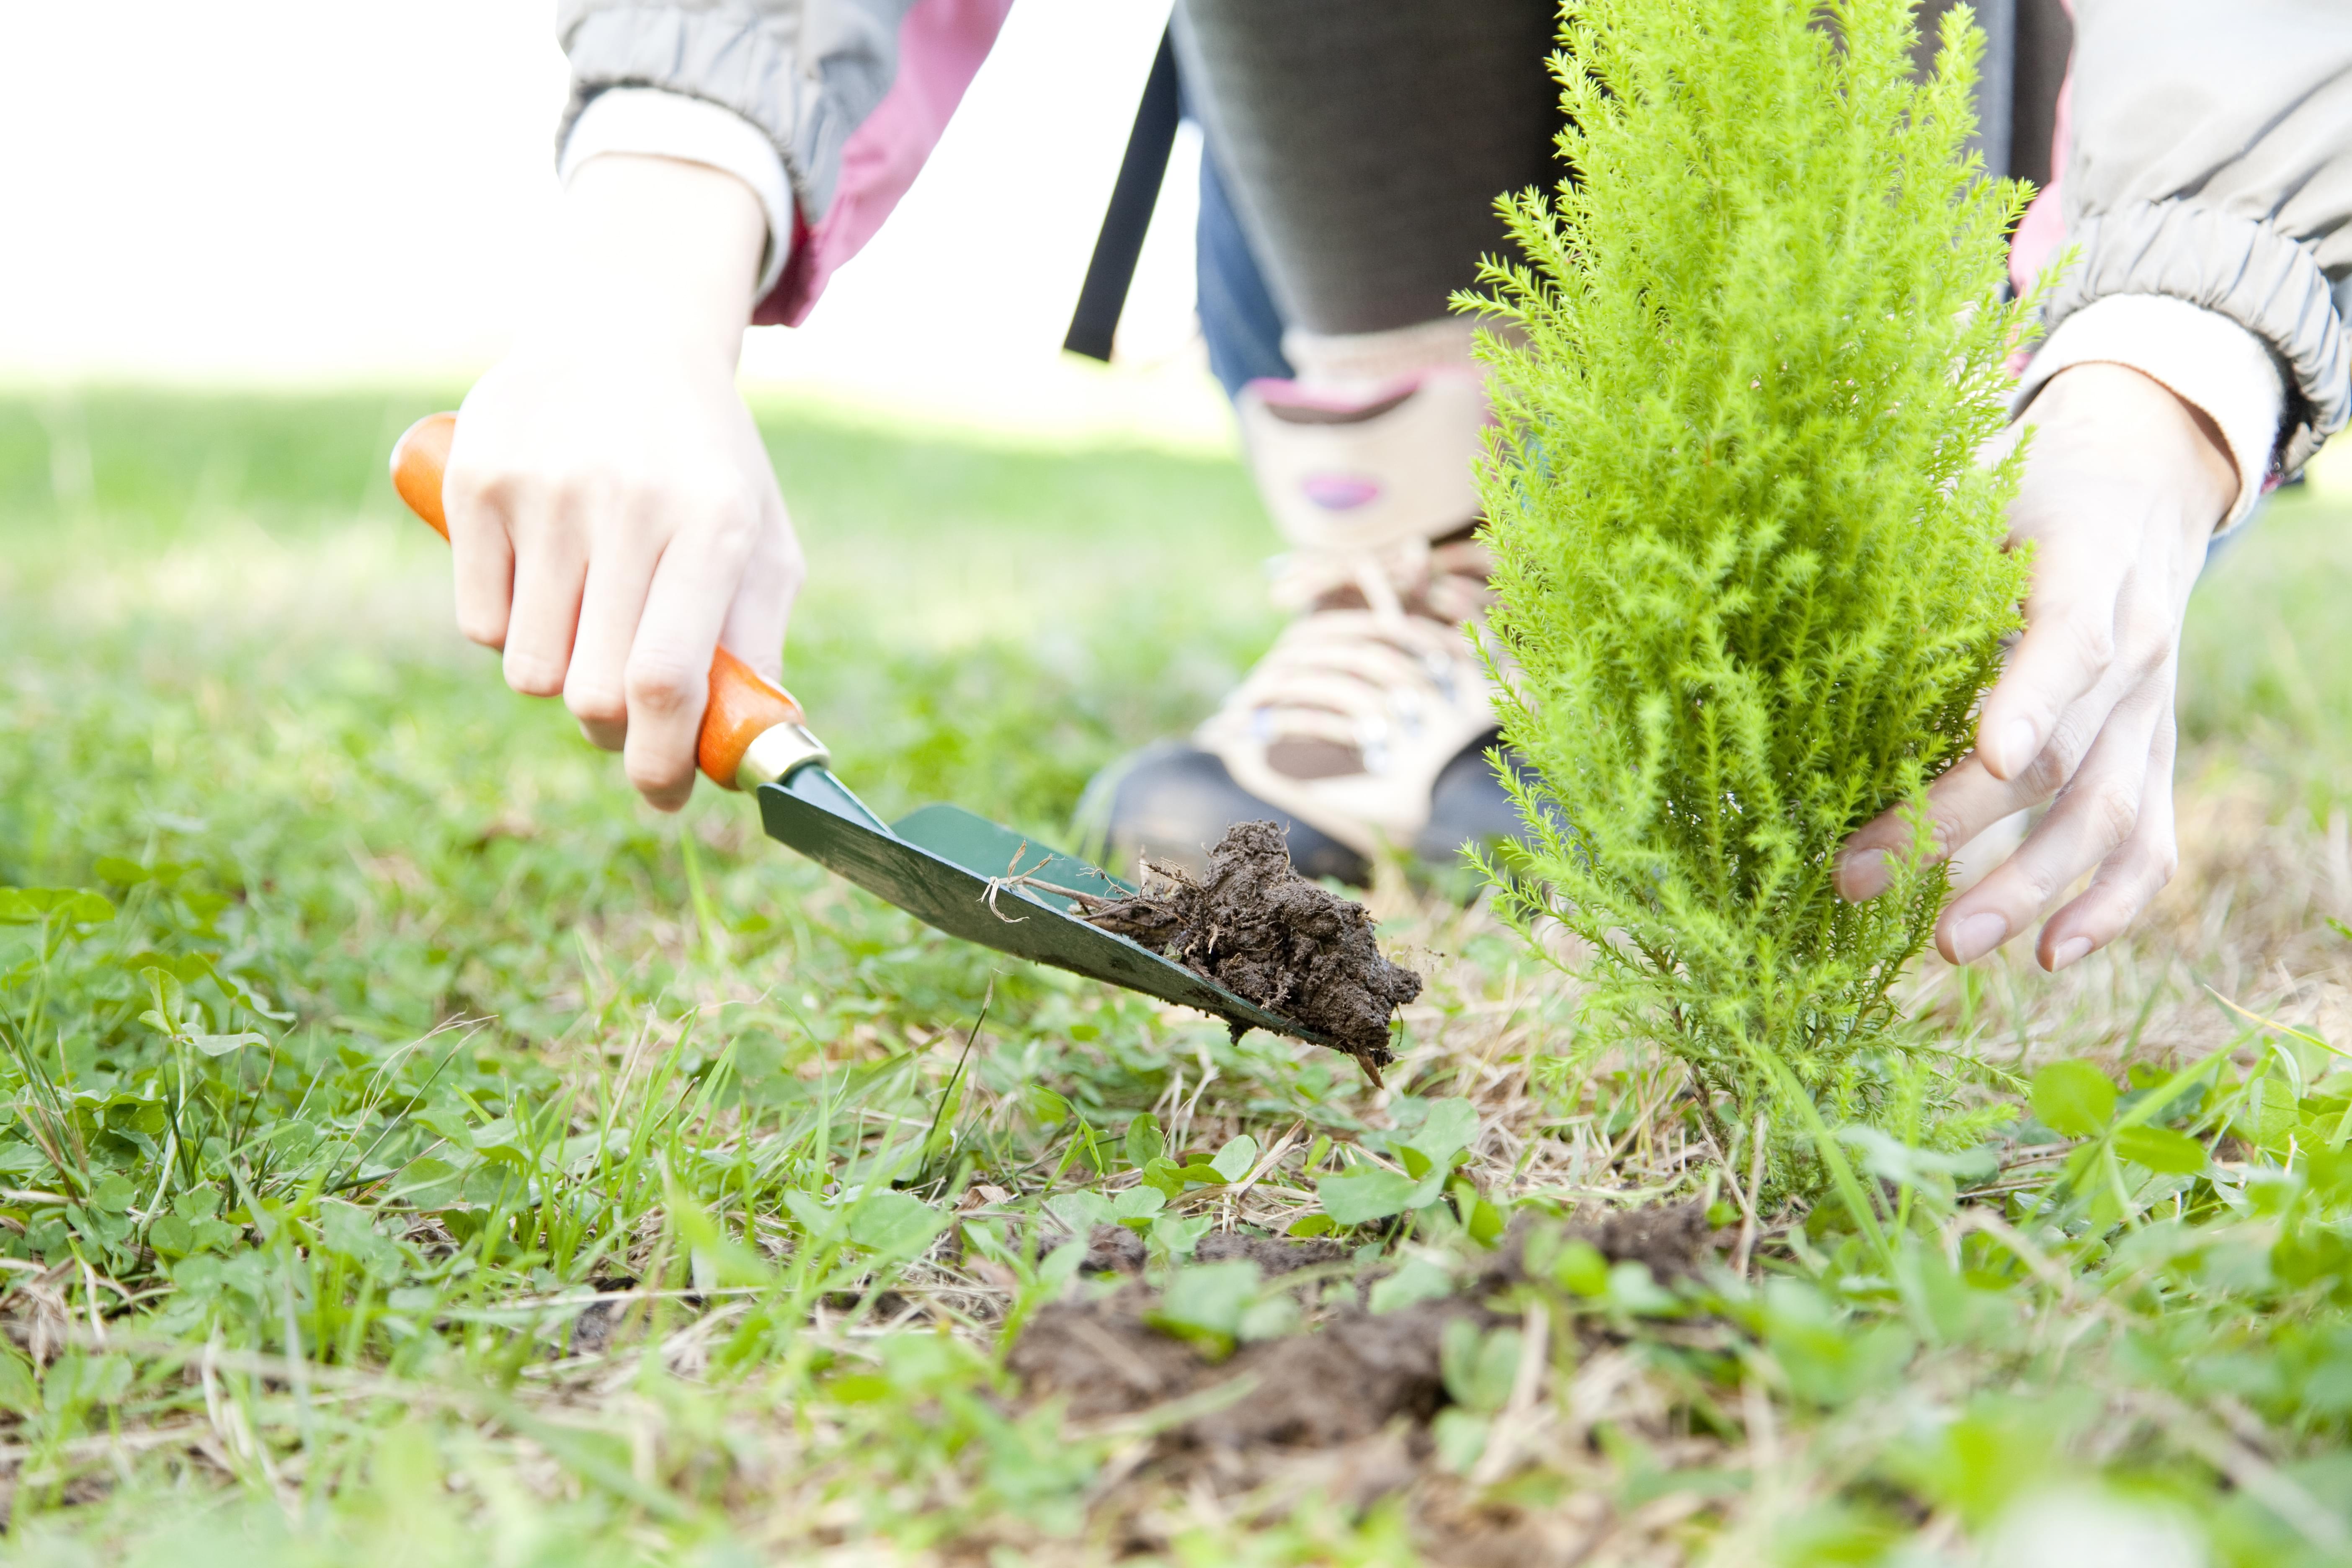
(948, 869)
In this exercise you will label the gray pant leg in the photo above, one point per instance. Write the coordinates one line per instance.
(1364, 142)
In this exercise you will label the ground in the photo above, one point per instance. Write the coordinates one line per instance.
(418, 1151)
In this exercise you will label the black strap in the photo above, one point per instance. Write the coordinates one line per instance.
(1104, 294)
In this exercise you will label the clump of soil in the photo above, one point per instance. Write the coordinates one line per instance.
(1256, 926)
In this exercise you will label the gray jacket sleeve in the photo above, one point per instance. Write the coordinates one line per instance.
(807, 72)
(2211, 162)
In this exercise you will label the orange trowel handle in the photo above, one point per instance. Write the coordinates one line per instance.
(742, 706)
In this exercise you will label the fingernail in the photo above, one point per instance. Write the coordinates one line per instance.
(1865, 875)
(1978, 935)
(2018, 744)
(2073, 948)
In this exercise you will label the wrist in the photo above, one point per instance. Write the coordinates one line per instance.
(2117, 419)
(657, 252)
(2207, 360)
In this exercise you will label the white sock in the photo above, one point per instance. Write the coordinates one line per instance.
(1364, 362)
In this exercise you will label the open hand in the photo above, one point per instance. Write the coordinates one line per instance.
(2123, 487)
(613, 512)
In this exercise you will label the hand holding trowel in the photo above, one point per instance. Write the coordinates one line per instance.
(1251, 921)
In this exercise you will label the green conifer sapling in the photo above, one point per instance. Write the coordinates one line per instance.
(1752, 576)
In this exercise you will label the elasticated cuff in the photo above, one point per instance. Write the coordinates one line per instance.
(2201, 357)
(649, 120)
(2245, 270)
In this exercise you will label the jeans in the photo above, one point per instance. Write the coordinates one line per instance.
(1238, 316)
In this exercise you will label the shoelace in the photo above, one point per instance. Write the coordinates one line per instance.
(1374, 678)
(1443, 582)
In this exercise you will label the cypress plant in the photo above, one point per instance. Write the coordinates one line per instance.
(1752, 577)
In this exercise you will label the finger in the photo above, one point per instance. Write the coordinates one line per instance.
(754, 630)
(2128, 879)
(1959, 805)
(2097, 811)
(1963, 804)
(667, 679)
(1976, 856)
(2069, 647)
(551, 565)
(482, 554)
(611, 604)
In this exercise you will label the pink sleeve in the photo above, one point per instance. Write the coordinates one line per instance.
(940, 45)
(2043, 228)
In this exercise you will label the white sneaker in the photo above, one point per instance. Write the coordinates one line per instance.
(1343, 731)
(1362, 702)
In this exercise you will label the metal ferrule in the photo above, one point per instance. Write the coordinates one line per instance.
(777, 754)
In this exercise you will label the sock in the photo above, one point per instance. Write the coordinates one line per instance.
(1363, 364)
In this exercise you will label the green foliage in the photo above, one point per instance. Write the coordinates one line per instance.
(2074, 1098)
(1428, 1153)
(1221, 1305)
(1752, 580)
(513, 1073)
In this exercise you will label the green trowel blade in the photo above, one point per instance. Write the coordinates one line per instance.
(945, 867)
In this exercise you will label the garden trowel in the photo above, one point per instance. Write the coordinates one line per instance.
(961, 873)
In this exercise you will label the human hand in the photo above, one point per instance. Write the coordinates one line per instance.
(612, 510)
(2123, 487)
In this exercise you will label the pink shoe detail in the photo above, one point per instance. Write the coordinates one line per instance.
(1339, 492)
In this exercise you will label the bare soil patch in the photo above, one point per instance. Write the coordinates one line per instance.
(1347, 1379)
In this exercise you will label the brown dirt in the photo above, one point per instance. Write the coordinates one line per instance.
(1272, 1254)
(1339, 1383)
(1115, 1249)
(1671, 1238)
(592, 1330)
(1255, 926)
(1316, 1390)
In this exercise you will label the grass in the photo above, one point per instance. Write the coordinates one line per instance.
(416, 1152)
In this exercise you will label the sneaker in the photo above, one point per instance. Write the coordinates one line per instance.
(1368, 722)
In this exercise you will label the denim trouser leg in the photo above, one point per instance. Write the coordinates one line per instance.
(1238, 314)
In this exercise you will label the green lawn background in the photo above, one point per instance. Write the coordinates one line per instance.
(225, 652)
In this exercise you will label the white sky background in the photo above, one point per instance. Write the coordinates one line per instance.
(346, 192)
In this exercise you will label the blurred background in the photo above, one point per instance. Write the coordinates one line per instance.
(279, 193)
(250, 242)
